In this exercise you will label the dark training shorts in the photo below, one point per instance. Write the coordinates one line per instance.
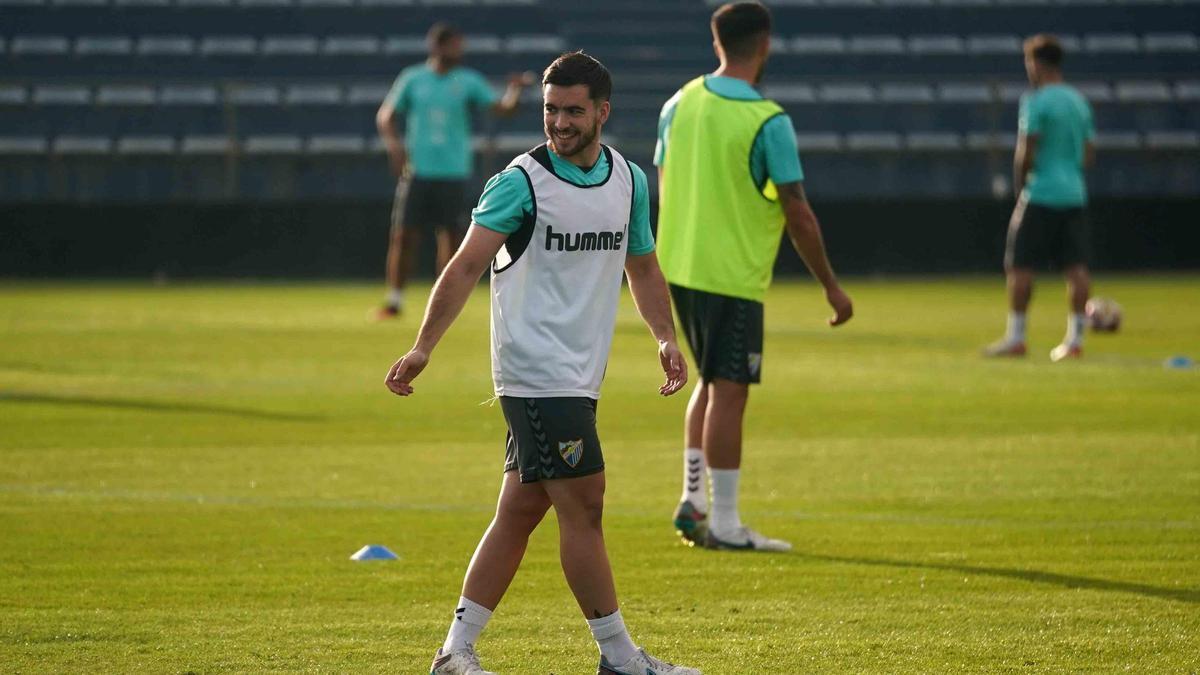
(1041, 237)
(551, 438)
(430, 204)
(725, 334)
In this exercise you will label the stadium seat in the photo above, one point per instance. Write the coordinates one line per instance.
(1170, 42)
(21, 3)
(1112, 43)
(817, 44)
(387, 3)
(289, 45)
(936, 44)
(274, 144)
(1011, 92)
(1187, 91)
(1070, 43)
(535, 44)
(876, 44)
(204, 3)
(404, 45)
(846, 93)
(39, 45)
(508, 3)
(1172, 140)
(350, 45)
(905, 3)
(993, 44)
(145, 145)
(228, 45)
(990, 140)
(103, 45)
(819, 142)
(58, 94)
(142, 3)
(187, 94)
(448, 3)
(1118, 140)
(1095, 92)
(905, 93)
(1143, 91)
(335, 144)
(13, 94)
(313, 94)
(125, 95)
(847, 3)
(81, 145)
(790, 93)
(166, 45)
(366, 94)
(484, 44)
(961, 92)
(79, 3)
(206, 145)
(345, 4)
(935, 141)
(873, 141)
(23, 145)
(264, 4)
(779, 45)
(254, 94)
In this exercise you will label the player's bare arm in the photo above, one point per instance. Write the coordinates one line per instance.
(507, 105)
(1023, 161)
(805, 232)
(393, 142)
(1089, 155)
(649, 291)
(449, 295)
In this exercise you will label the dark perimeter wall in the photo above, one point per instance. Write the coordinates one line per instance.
(348, 240)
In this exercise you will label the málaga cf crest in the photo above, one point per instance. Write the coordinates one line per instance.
(571, 451)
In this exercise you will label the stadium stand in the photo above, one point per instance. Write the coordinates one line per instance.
(295, 83)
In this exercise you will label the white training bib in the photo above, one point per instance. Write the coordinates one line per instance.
(557, 280)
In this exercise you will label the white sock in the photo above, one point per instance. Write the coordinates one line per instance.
(469, 620)
(395, 297)
(695, 489)
(1016, 327)
(613, 639)
(724, 515)
(1074, 330)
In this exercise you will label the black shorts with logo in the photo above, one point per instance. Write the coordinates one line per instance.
(551, 438)
(1041, 237)
(724, 332)
(430, 204)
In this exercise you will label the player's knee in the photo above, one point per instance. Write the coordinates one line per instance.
(523, 512)
(584, 512)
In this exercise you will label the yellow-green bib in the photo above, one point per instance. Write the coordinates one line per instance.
(718, 231)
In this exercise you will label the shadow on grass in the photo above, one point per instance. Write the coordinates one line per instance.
(1066, 581)
(153, 406)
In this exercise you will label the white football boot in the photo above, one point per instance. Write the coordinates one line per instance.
(743, 539)
(461, 662)
(643, 664)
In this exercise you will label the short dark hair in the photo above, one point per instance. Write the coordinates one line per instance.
(440, 33)
(738, 26)
(1044, 48)
(574, 68)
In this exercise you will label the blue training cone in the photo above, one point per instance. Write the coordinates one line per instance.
(1178, 362)
(373, 552)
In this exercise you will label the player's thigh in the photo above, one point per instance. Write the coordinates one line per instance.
(447, 207)
(420, 206)
(551, 438)
(522, 502)
(1076, 234)
(579, 499)
(1030, 244)
(736, 339)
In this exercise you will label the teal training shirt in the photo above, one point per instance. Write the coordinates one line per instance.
(437, 118)
(1061, 119)
(774, 154)
(506, 199)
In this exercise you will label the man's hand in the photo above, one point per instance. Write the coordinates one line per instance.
(843, 309)
(400, 377)
(525, 79)
(398, 160)
(674, 367)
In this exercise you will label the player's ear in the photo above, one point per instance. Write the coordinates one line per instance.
(602, 112)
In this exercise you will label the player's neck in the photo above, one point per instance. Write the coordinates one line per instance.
(585, 158)
(439, 66)
(747, 72)
(1050, 78)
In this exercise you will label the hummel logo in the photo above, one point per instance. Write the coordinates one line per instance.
(583, 241)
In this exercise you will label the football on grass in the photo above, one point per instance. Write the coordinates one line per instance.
(1103, 315)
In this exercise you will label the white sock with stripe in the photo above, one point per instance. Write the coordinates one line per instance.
(469, 620)
(613, 638)
(695, 489)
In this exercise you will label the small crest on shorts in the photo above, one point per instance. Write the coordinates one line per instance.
(754, 362)
(571, 451)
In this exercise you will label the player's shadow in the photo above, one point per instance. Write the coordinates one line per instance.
(1188, 595)
(153, 406)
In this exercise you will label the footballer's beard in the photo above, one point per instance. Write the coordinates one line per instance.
(573, 142)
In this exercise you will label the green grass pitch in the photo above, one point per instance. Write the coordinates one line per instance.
(185, 470)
